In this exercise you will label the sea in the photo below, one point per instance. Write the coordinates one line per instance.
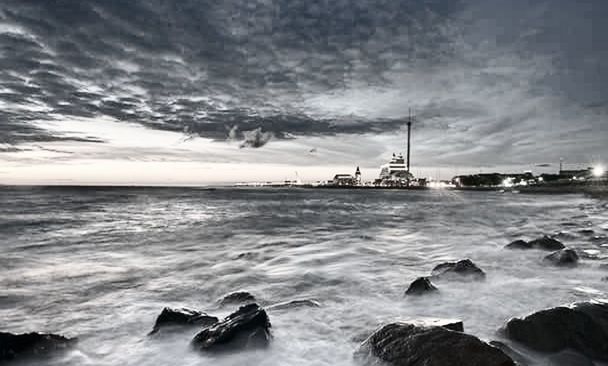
(100, 263)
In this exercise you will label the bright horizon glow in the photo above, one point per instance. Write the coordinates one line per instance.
(598, 171)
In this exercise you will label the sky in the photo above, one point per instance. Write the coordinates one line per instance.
(204, 92)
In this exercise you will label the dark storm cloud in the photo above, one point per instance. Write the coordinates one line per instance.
(151, 61)
(204, 67)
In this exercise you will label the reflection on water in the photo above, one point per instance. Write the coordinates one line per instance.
(101, 263)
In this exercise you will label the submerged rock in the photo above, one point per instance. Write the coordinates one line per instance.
(544, 243)
(564, 257)
(518, 244)
(405, 344)
(239, 297)
(172, 318)
(32, 345)
(294, 304)
(420, 286)
(247, 328)
(464, 268)
(582, 327)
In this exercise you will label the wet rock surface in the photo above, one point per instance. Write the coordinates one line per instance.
(32, 345)
(544, 243)
(582, 327)
(451, 324)
(461, 269)
(421, 286)
(520, 359)
(171, 319)
(240, 297)
(405, 344)
(563, 258)
(247, 328)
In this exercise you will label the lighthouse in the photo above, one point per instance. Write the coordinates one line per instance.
(358, 177)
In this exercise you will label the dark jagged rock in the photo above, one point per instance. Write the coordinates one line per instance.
(582, 327)
(240, 297)
(32, 345)
(247, 328)
(563, 258)
(404, 344)
(421, 286)
(171, 318)
(519, 244)
(464, 269)
(294, 304)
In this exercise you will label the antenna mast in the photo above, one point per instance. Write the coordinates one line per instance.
(409, 138)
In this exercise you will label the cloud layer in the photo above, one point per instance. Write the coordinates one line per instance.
(490, 81)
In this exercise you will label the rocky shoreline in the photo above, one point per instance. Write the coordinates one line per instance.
(572, 334)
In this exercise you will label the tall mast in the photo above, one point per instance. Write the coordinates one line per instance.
(409, 138)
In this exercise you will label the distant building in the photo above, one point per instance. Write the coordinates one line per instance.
(358, 181)
(344, 180)
(395, 172)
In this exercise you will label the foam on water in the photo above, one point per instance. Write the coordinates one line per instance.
(101, 263)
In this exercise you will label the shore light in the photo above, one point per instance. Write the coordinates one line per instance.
(598, 171)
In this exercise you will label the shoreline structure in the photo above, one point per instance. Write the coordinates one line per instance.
(396, 174)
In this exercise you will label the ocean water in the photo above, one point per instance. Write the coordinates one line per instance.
(101, 263)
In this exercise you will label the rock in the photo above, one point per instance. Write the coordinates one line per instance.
(563, 258)
(420, 286)
(171, 318)
(544, 243)
(464, 268)
(451, 324)
(520, 360)
(403, 344)
(240, 297)
(32, 345)
(294, 304)
(247, 328)
(519, 244)
(582, 327)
